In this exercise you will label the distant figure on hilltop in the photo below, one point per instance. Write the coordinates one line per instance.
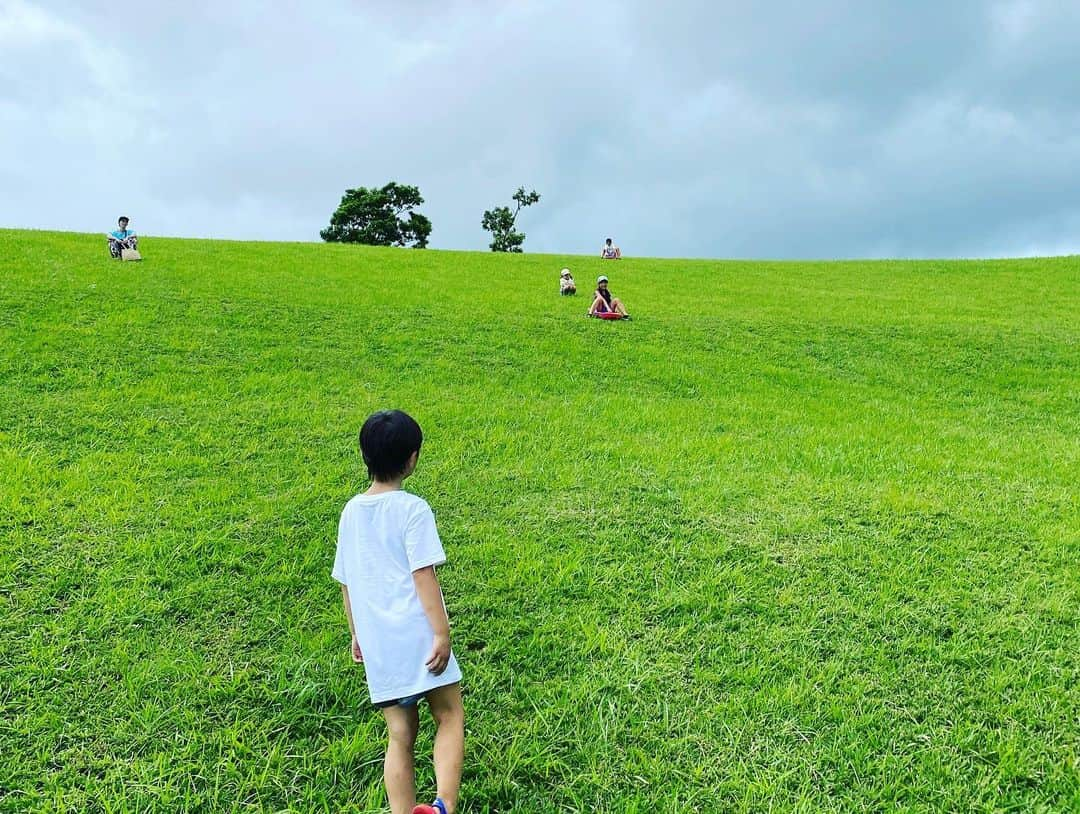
(122, 238)
(610, 251)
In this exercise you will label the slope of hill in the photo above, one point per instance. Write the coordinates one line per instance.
(801, 536)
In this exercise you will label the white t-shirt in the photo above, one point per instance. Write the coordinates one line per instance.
(382, 539)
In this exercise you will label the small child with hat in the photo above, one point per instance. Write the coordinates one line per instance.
(566, 283)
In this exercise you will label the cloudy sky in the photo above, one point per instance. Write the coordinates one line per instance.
(858, 128)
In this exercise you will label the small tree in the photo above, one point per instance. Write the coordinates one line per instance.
(379, 217)
(500, 222)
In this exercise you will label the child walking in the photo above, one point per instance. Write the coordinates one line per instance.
(387, 551)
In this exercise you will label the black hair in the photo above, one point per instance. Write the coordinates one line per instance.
(123, 217)
(387, 441)
(608, 240)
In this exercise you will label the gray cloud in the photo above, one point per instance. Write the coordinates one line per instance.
(834, 129)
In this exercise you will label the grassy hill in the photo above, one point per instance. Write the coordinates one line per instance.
(799, 537)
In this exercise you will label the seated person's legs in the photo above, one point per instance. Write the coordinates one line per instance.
(116, 247)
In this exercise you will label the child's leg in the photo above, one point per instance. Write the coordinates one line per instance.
(449, 714)
(617, 306)
(597, 306)
(398, 771)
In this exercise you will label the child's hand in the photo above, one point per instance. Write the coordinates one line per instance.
(440, 654)
(357, 656)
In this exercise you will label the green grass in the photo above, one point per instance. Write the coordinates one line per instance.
(799, 537)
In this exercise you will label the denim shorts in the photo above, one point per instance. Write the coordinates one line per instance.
(407, 701)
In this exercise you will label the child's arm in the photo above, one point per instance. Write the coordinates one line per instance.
(427, 588)
(357, 656)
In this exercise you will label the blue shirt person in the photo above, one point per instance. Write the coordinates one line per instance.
(122, 238)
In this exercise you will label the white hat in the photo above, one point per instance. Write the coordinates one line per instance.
(601, 279)
(564, 272)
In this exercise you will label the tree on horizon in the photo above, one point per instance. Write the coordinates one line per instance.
(379, 217)
(500, 222)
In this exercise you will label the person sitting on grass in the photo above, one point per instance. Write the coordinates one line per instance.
(603, 302)
(122, 238)
(387, 550)
(566, 283)
(610, 252)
